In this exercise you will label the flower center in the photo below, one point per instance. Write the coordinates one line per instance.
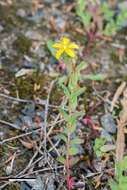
(64, 47)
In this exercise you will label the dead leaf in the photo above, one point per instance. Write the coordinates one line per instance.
(108, 147)
(6, 2)
(9, 167)
(69, 7)
(120, 144)
(119, 91)
(98, 181)
(28, 145)
(23, 72)
(36, 4)
(36, 87)
(121, 54)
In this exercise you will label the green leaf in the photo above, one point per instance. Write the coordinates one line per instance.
(62, 80)
(123, 180)
(121, 18)
(107, 12)
(66, 91)
(76, 141)
(97, 77)
(107, 148)
(71, 120)
(120, 166)
(61, 159)
(81, 66)
(70, 129)
(87, 19)
(83, 14)
(99, 143)
(65, 115)
(74, 102)
(125, 162)
(113, 185)
(79, 91)
(78, 114)
(51, 49)
(82, 4)
(71, 85)
(111, 28)
(74, 79)
(118, 170)
(73, 150)
(62, 137)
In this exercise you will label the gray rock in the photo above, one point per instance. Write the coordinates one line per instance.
(49, 1)
(108, 123)
(2, 134)
(42, 66)
(36, 185)
(106, 135)
(80, 149)
(27, 121)
(39, 51)
(40, 184)
(25, 186)
(33, 35)
(122, 5)
(1, 28)
(37, 17)
(21, 13)
(60, 23)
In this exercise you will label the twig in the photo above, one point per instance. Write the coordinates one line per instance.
(41, 170)
(31, 173)
(120, 143)
(15, 99)
(46, 115)
(35, 154)
(29, 133)
(9, 124)
(119, 91)
(18, 136)
(54, 146)
(37, 101)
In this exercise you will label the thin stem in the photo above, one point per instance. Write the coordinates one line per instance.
(72, 66)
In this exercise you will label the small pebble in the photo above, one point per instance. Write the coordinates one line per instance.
(33, 35)
(106, 135)
(108, 123)
(1, 28)
(21, 13)
(60, 24)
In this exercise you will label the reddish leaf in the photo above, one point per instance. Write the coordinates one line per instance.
(70, 182)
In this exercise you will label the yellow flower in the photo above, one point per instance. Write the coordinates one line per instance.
(65, 46)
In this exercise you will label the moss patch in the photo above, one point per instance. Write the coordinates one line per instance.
(22, 44)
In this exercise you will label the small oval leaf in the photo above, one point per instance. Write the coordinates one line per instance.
(77, 141)
(61, 159)
(62, 137)
(73, 150)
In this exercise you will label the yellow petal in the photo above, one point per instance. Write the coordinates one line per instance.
(57, 45)
(65, 41)
(59, 53)
(70, 52)
(73, 46)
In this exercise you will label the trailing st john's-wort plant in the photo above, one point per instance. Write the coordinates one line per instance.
(99, 18)
(72, 90)
(120, 180)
